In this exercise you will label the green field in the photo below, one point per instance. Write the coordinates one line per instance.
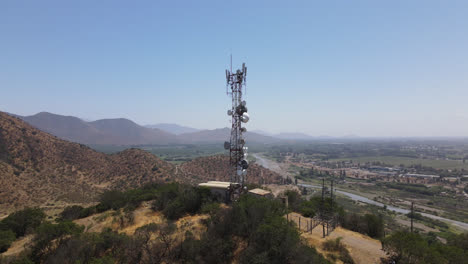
(396, 161)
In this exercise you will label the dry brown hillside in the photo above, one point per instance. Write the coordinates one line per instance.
(36, 167)
(217, 168)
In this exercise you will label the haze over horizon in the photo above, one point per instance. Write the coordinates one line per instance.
(366, 68)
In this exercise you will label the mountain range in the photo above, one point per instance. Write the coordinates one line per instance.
(124, 132)
(38, 168)
(173, 128)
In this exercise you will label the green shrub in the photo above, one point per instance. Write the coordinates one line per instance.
(369, 224)
(23, 221)
(22, 260)
(333, 244)
(71, 213)
(6, 238)
(176, 200)
(102, 260)
(336, 246)
(405, 247)
(210, 208)
(48, 232)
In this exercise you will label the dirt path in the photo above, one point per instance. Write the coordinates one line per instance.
(362, 249)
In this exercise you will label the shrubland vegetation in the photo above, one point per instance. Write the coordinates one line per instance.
(19, 224)
(173, 199)
(252, 230)
(413, 248)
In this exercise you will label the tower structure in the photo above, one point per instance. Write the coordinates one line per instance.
(235, 85)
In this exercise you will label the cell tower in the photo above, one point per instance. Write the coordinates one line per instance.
(235, 81)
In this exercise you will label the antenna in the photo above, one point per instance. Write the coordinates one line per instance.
(238, 112)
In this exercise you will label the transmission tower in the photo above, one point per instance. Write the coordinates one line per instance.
(235, 84)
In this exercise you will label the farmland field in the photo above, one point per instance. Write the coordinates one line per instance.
(396, 161)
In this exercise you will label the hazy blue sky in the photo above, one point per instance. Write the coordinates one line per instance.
(369, 68)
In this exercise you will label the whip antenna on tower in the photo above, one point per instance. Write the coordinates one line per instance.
(235, 84)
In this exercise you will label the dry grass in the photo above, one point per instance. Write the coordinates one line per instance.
(142, 216)
(362, 248)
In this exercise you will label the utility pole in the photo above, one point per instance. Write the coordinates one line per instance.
(331, 194)
(323, 189)
(322, 208)
(412, 215)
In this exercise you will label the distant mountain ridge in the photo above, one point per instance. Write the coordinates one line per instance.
(119, 131)
(221, 135)
(124, 132)
(174, 128)
(294, 136)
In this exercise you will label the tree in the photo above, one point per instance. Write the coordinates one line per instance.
(71, 213)
(24, 221)
(375, 226)
(48, 232)
(410, 248)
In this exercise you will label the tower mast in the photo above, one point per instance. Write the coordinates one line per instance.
(235, 82)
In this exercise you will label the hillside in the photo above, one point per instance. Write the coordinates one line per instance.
(36, 167)
(217, 168)
(119, 131)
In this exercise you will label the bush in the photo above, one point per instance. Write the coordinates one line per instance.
(369, 224)
(404, 247)
(333, 244)
(210, 208)
(22, 260)
(103, 260)
(71, 213)
(96, 248)
(175, 200)
(337, 246)
(6, 238)
(48, 232)
(23, 222)
(111, 200)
